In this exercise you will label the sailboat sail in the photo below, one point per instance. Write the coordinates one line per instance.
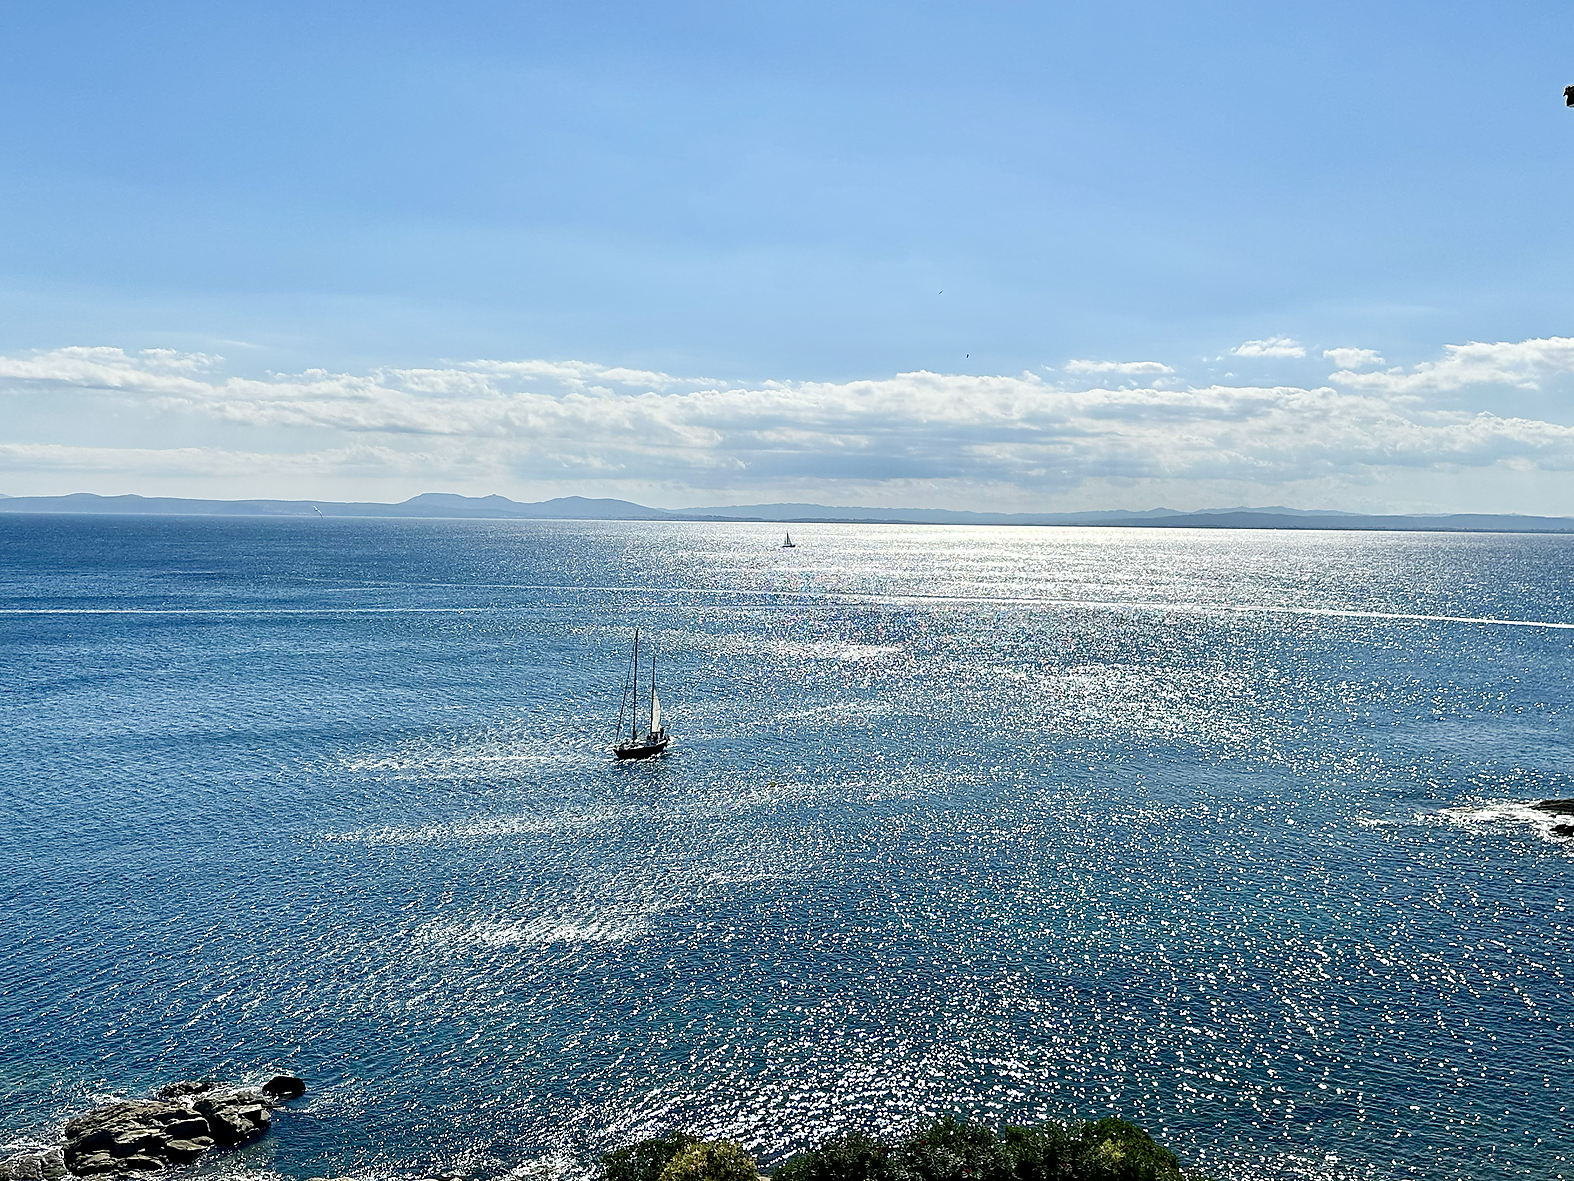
(655, 711)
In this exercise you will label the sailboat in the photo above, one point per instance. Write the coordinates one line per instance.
(789, 543)
(655, 739)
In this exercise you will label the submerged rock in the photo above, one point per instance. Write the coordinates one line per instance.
(147, 1135)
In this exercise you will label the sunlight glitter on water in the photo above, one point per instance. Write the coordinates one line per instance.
(939, 835)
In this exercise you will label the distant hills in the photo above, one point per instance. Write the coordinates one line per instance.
(578, 508)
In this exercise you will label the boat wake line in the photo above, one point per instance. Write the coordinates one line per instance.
(828, 597)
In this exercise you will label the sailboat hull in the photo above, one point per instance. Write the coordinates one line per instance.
(644, 748)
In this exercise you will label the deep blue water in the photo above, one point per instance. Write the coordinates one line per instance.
(1180, 825)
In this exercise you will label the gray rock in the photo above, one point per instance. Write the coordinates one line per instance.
(185, 1150)
(235, 1125)
(173, 1114)
(96, 1140)
(141, 1141)
(187, 1127)
(93, 1162)
(189, 1087)
(146, 1135)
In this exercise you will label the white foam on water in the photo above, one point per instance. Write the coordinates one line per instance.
(488, 827)
(544, 932)
(553, 1166)
(436, 765)
(851, 653)
(25, 1144)
(1513, 812)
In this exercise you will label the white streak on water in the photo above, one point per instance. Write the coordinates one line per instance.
(1008, 600)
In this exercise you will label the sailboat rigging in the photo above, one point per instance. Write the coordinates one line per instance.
(655, 739)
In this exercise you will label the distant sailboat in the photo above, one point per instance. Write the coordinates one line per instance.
(789, 543)
(655, 739)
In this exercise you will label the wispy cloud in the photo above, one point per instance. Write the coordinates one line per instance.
(214, 461)
(1274, 346)
(1353, 358)
(575, 423)
(1121, 368)
(1523, 364)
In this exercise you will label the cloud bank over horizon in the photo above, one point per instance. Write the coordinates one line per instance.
(1094, 434)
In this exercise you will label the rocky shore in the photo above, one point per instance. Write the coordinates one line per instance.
(185, 1121)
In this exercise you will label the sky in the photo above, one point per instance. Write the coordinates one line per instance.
(995, 256)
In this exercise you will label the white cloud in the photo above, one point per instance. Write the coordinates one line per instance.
(1123, 368)
(1353, 358)
(493, 425)
(1523, 364)
(1274, 346)
(210, 461)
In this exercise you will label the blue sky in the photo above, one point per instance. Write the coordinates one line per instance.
(717, 243)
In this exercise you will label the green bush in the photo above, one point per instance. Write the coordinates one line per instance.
(854, 1157)
(952, 1150)
(1044, 1153)
(711, 1160)
(1114, 1150)
(947, 1150)
(645, 1161)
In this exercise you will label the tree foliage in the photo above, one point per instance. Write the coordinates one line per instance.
(645, 1161)
(1043, 1153)
(947, 1150)
(711, 1160)
(854, 1157)
(1115, 1150)
(952, 1150)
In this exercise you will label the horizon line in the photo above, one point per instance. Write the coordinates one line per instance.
(1242, 517)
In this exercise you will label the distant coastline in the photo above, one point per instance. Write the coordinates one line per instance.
(445, 505)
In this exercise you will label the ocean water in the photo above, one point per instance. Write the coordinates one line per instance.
(1221, 831)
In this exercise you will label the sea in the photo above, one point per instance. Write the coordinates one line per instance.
(1225, 832)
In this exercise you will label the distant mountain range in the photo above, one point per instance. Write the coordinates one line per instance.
(578, 508)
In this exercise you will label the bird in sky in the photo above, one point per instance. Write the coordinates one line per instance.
(1568, 96)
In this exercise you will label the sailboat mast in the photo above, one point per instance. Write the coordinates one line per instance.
(653, 692)
(634, 724)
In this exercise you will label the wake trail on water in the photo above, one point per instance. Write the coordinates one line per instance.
(829, 597)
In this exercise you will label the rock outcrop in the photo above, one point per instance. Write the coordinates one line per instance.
(147, 1135)
(43, 1164)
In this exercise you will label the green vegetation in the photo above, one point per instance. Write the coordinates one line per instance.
(1044, 1153)
(711, 1160)
(1114, 1150)
(854, 1157)
(646, 1160)
(946, 1150)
